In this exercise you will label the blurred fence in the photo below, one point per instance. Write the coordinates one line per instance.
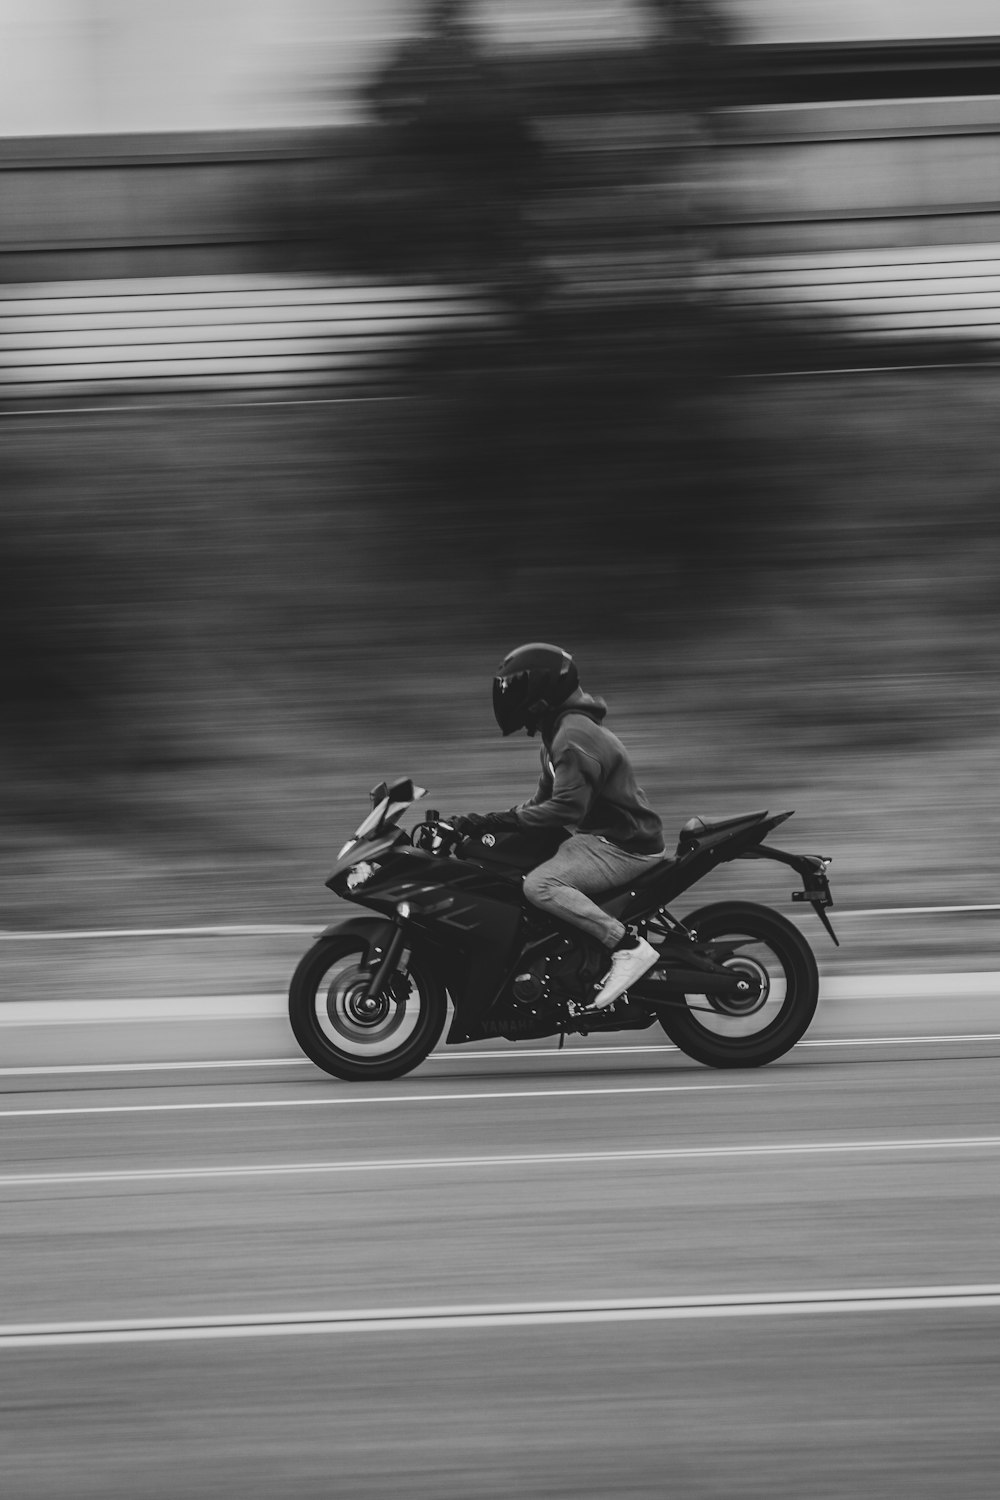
(243, 332)
(845, 176)
(914, 294)
(282, 334)
(148, 265)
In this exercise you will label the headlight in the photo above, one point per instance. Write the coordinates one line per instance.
(360, 873)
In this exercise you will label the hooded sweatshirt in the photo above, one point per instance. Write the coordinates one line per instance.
(587, 784)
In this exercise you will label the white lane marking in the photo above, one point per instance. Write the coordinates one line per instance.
(59, 1069)
(954, 364)
(900, 1041)
(530, 1159)
(70, 935)
(514, 1054)
(501, 1315)
(211, 405)
(136, 1012)
(299, 929)
(917, 911)
(654, 1047)
(341, 1100)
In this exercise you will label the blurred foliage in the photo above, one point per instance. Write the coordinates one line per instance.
(71, 648)
(214, 622)
(226, 629)
(153, 572)
(603, 470)
(586, 448)
(465, 156)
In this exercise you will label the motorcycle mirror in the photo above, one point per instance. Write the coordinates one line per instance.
(378, 793)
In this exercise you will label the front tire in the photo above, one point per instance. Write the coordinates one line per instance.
(783, 990)
(354, 1039)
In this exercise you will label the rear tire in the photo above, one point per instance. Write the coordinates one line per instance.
(351, 1039)
(783, 969)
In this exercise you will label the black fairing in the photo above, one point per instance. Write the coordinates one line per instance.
(513, 852)
(467, 913)
(697, 855)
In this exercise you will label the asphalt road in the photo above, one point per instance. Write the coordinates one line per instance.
(602, 1272)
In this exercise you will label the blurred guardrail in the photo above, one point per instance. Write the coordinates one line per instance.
(152, 270)
(850, 175)
(285, 334)
(279, 929)
(219, 332)
(915, 293)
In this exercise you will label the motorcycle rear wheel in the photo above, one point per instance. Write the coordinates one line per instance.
(780, 965)
(358, 1039)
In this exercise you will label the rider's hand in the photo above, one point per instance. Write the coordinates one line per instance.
(470, 824)
(466, 824)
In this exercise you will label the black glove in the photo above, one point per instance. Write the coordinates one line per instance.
(471, 824)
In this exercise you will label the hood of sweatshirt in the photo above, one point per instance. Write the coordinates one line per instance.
(578, 702)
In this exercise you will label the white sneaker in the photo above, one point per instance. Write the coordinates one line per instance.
(627, 965)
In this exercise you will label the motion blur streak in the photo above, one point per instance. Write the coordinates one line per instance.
(345, 1101)
(69, 1069)
(468, 1163)
(429, 1320)
(346, 344)
(134, 1263)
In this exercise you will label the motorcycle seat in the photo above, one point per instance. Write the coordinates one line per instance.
(697, 826)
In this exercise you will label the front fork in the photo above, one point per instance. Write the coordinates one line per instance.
(386, 965)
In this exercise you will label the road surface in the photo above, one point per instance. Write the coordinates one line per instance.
(517, 1272)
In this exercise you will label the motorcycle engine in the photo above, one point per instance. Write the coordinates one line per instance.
(566, 969)
(528, 987)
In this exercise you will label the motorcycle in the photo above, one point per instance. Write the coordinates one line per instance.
(735, 984)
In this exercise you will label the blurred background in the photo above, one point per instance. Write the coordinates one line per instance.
(346, 344)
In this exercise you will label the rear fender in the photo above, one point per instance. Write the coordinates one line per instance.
(812, 868)
(696, 857)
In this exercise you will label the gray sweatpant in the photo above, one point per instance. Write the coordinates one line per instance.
(585, 866)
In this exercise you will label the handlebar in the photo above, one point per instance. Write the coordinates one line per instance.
(435, 835)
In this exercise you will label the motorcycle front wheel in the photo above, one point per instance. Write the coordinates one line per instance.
(780, 993)
(351, 1036)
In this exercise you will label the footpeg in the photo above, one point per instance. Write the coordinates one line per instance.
(576, 1009)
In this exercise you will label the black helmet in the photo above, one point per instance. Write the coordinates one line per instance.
(531, 682)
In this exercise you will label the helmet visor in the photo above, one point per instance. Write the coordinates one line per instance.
(510, 702)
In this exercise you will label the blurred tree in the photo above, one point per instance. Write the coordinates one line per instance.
(66, 653)
(443, 181)
(590, 439)
(691, 32)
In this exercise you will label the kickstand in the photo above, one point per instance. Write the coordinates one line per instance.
(562, 1038)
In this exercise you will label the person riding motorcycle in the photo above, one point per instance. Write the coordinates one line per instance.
(587, 786)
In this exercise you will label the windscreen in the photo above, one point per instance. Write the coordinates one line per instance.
(391, 808)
